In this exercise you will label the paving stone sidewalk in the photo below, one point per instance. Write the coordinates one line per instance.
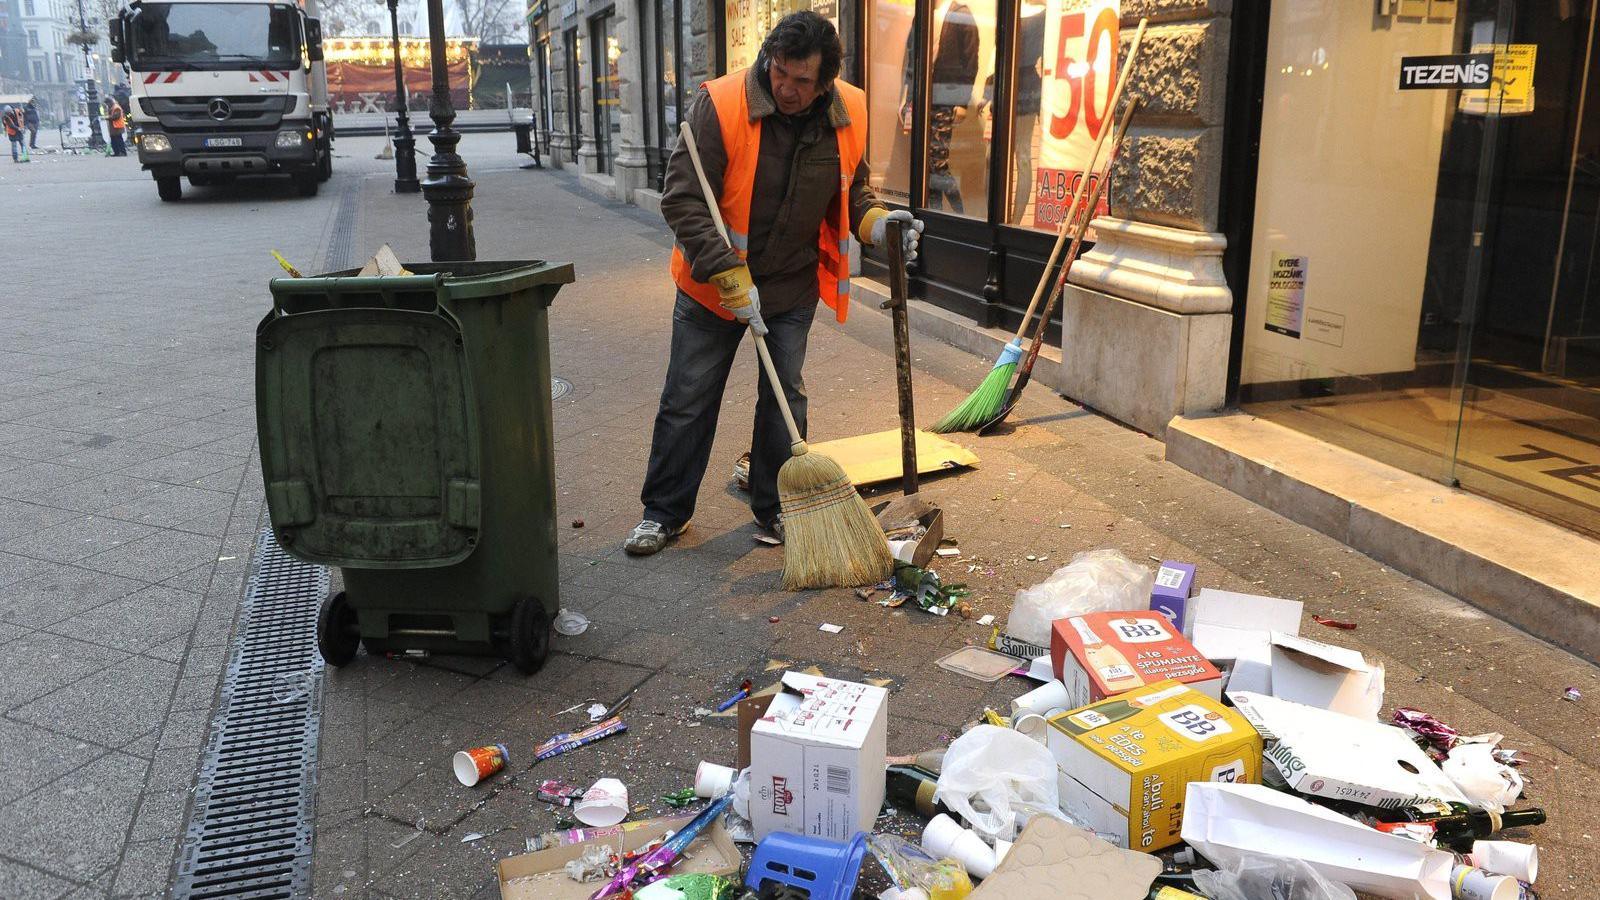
(684, 627)
(130, 497)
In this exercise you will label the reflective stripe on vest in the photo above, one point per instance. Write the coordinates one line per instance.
(741, 141)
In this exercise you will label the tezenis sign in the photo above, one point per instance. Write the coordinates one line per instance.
(1461, 71)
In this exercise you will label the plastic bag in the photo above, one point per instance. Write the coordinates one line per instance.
(1095, 581)
(1254, 877)
(991, 774)
(915, 873)
(1485, 781)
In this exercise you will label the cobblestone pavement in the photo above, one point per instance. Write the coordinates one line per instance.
(129, 495)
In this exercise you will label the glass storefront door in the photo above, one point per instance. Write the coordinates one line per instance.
(1421, 284)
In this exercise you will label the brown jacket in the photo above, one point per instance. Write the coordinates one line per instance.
(797, 182)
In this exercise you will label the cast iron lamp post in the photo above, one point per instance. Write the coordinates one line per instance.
(91, 97)
(405, 146)
(447, 188)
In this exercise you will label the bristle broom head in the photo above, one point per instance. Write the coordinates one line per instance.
(830, 537)
(982, 404)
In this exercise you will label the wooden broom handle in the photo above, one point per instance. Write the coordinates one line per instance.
(797, 444)
(1077, 192)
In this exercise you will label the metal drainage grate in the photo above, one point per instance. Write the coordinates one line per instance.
(340, 246)
(250, 828)
(559, 387)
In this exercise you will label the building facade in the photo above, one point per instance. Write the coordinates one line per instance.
(1300, 222)
(52, 69)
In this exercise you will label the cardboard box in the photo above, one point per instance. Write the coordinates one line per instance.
(817, 758)
(1235, 630)
(1328, 754)
(1170, 593)
(1123, 764)
(1103, 654)
(1322, 675)
(540, 876)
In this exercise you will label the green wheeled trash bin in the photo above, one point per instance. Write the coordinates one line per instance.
(406, 438)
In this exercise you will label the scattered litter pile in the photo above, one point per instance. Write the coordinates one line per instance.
(1177, 744)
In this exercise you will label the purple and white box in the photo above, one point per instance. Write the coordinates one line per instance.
(1170, 593)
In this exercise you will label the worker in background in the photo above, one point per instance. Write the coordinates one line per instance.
(784, 145)
(13, 122)
(116, 123)
(30, 118)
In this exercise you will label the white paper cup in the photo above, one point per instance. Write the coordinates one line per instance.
(1046, 699)
(1031, 724)
(603, 805)
(712, 780)
(945, 838)
(1468, 883)
(1520, 861)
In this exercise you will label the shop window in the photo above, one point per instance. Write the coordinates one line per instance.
(962, 56)
(890, 38)
(746, 23)
(1065, 76)
(574, 55)
(1418, 290)
(607, 107)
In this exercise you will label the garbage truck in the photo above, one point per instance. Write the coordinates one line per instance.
(224, 88)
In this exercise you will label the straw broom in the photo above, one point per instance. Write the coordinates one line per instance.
(830, 537)
(983, 404)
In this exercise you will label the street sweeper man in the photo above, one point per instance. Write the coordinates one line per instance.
(784, 145)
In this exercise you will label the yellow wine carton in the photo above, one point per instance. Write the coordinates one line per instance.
(1123, 764)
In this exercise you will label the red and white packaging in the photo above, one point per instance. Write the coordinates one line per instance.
(1103, 654)
(817, 758)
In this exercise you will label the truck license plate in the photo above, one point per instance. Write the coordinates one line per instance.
(225, 142)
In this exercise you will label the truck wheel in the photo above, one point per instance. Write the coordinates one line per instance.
(325, 164)
(305, 183)
(169, 188)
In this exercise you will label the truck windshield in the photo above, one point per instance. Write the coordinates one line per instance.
(214, 36)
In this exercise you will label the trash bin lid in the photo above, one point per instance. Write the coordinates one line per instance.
(369, 436)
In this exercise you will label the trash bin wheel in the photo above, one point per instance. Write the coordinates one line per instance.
(338, 631)
(530, 635)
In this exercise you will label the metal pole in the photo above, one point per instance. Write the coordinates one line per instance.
(447, 188)
(91, 97)
(405, 146)
(896, 303)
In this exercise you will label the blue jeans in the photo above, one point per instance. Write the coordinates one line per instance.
(703, 349)
(16, 148)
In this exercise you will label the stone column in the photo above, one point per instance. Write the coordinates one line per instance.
(632, 169)
(561, 141)
(1147, 315)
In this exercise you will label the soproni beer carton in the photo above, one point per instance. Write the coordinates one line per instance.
(1103, 654)
(1123, 764)
(817, 758)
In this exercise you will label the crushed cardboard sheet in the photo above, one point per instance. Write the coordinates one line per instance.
(874, 458)
(1055, 861)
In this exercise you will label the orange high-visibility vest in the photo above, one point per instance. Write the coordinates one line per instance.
(741, 140)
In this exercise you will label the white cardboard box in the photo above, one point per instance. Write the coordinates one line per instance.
(1234, 631)
(1318, 674)
(817, 758)
(1329, 754)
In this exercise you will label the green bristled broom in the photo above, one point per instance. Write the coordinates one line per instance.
(986, 402)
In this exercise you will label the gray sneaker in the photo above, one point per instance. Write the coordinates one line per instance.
(650, 537)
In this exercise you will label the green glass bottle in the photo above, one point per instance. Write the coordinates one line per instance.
(908, 787)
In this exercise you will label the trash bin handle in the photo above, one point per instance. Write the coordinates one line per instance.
(385, 286)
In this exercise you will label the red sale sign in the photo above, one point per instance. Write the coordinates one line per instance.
(1080, 76)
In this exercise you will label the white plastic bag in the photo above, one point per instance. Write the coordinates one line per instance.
(1095, 581)
(1255, 877)
(1488, 783)
(991, 774)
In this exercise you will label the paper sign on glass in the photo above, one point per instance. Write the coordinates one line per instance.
(1080, 76)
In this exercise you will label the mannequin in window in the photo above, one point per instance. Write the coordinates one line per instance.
(955, 73)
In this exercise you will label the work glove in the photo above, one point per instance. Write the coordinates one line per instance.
(910, 234)
(739, 296)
